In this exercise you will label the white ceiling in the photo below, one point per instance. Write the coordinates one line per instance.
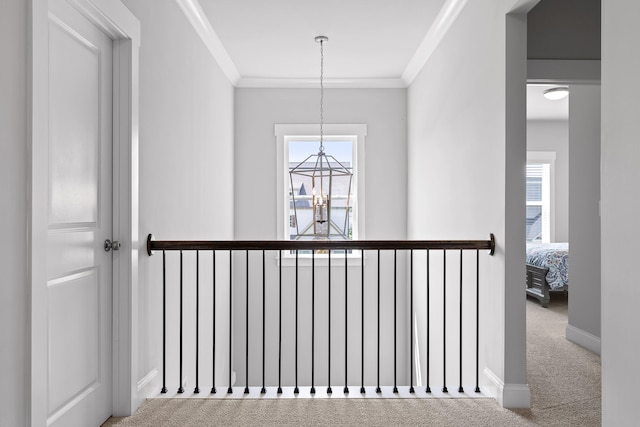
(372, 43)
(368, 39)
(540, 108)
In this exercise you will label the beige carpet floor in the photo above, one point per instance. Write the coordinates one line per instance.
(564, 378)
(564, 381)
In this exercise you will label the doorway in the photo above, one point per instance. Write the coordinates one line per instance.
(564, 52)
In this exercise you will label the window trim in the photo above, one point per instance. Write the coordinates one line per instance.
(283, 132)
(547, 157)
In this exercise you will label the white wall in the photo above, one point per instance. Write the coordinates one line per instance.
(13, 227)
(257, 111)
(584, 216)
(553, 135)
(620, 211)
(467, 151)
(186, 171)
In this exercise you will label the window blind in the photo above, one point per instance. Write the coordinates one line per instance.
(534, 182)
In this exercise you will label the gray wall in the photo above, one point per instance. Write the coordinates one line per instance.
(553, 135)
(584, 216)
(256, 113)
(620, 152)
(576, 143)
(564, 29)
(14, 332)
(384, 112)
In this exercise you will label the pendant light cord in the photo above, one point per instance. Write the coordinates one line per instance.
(321, 95)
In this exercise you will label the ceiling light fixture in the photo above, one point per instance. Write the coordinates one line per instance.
(328, 216)
(556, 93)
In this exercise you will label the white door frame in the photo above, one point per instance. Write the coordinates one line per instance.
(122, 26)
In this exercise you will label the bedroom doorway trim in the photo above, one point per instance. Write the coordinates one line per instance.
(510, 387)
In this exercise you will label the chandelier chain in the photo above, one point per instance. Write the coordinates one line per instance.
(321, 96)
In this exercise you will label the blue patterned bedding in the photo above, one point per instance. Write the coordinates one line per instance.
(555, 257)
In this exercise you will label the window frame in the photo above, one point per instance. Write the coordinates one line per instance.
(545, 158)
(286, 132)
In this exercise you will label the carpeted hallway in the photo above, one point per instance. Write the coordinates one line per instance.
(564, 378)
(564, 381)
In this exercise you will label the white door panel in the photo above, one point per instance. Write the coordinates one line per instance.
(74, 143)
(74, 331)
(79, 271)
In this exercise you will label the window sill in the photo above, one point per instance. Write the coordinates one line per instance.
(337, 260)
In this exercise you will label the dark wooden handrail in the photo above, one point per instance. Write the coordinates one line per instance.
(177, 245)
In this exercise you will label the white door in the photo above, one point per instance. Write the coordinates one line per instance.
(79, 270)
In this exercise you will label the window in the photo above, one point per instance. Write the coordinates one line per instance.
(539, 222)
(294, 143)
(300, 212)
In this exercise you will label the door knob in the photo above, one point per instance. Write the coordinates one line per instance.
(108, 245)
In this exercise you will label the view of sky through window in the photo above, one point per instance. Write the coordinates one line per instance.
(341, 150)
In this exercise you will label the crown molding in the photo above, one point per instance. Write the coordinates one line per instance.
(198, 19)
(389, 83)
(446, 17)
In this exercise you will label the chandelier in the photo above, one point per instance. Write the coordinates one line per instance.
(324, 214)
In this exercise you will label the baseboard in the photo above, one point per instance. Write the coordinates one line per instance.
(583, 339)
(144, 381)
(508, 395)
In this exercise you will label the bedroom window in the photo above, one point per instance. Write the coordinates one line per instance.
(294, 144)
(539, 221)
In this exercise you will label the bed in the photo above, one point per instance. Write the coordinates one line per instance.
(547, 270)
